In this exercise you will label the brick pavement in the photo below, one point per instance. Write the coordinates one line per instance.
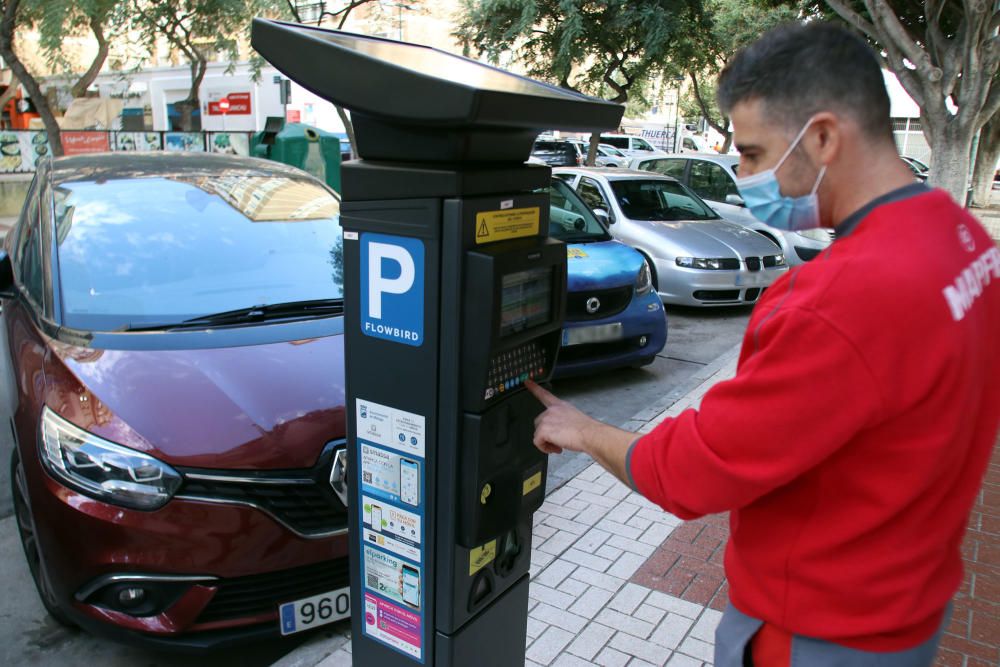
(618, 582)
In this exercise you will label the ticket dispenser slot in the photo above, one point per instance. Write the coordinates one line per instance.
(453, 299)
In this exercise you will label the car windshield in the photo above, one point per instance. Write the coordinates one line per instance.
(610, 150)
(570, 220)
(653, 199)
(143, 251)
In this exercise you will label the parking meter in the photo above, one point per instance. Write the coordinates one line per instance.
(454, 298)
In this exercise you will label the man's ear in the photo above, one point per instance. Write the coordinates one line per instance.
(825, 137)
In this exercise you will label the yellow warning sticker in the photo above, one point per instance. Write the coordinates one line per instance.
(532, 483)
(575, 252)
(513, 223)
(482, 556)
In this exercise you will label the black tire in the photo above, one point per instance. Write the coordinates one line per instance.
(29, 542)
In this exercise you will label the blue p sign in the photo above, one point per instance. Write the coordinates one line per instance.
(392, 288)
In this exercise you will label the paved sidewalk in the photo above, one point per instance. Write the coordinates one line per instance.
(618, 582)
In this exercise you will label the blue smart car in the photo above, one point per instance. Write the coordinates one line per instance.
(613, 316)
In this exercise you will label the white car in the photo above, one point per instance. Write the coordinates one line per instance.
(713, 178)
(696, 257)
(607, 155)
(631, 145)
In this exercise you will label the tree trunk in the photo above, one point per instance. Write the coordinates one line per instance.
(950, 158)
(595, 139)
(727, 144)
(22, 74)
(79, 88)
(349, 129)
(986, 163)
(193, 101)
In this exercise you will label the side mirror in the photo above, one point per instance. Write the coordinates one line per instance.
(603, 216)
(7, 288)
(735, 200)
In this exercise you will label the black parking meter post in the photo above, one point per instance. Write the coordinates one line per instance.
(454, 297)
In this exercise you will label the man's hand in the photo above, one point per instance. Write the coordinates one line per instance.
(561, 426)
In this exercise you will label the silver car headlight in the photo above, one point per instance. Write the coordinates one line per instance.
(102, 469)
(644, 280)
(817, 234)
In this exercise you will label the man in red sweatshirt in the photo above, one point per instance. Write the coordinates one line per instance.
(854, 437)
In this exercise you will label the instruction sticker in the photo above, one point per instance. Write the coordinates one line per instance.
(392, 577)
(482, 556)
(389, 427)
(398, 627)
(391, 528)
(391, 476)
(510, 224)
(575, 253)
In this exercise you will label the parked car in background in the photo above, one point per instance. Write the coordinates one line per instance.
(174, 328)
(696, 257)
(713, 178)
(613, 316)
(559, 152)
(631, 145)
(607, 155)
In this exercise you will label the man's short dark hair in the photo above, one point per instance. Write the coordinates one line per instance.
(797, 70)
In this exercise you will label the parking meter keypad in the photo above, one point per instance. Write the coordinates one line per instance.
(511, 368)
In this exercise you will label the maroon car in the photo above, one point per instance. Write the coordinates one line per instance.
(173, 324)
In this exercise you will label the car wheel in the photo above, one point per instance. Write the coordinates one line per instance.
(29, 541)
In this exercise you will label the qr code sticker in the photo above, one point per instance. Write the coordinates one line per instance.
(366, 477)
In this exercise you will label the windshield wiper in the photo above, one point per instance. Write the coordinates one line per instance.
(580, 238)
(258, 313)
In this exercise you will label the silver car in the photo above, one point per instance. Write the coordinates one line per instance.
(698, 259)
(713, 178)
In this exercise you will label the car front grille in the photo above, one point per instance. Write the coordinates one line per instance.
(257, 594)
(717, 295)
(612, 301)
(753, 263)
(302, 500)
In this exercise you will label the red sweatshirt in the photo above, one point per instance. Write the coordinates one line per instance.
(856, 433)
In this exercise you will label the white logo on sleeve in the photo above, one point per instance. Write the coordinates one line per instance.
(970, 283)
(965, 236)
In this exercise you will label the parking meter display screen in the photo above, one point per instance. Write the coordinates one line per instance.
(525, 301)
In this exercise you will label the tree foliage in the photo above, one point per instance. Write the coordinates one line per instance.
(56, 20)
(945, 53)
(197, 29)
(607, 48)
(727, 26)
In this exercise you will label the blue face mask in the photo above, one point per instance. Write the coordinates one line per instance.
(762, 195)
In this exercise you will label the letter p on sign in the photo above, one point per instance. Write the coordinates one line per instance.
(392, 288)
(378, 283)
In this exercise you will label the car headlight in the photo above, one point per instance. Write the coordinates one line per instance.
(102, 469)
(643, 281)
(708, 263)
(817, 234)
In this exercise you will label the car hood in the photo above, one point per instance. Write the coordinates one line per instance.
(601, 265)
(250, 407)
(713, 238)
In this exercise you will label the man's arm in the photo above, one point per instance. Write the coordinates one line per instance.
(563, 427)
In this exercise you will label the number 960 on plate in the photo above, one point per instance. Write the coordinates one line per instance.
(313, 612)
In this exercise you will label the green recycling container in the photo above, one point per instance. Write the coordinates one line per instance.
(303, 146)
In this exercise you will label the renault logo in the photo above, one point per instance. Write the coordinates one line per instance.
(593, 305)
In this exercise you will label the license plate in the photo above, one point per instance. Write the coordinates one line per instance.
(599, 333)
(749, 280)
(313, 612)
